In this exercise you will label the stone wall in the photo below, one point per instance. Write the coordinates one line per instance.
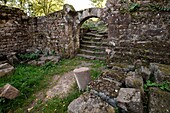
(19, 33)
(142, 34)
(14, 30)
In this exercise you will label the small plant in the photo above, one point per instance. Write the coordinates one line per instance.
(28, 56)
(133, 7)
(164, 86)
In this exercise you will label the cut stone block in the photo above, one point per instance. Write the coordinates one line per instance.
(129, 99)
(159, 101)
(89, 103)
(9, 92)
(134, 82)
(82, 76)
(6, 69)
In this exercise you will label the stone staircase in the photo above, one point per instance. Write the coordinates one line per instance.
(93, 45)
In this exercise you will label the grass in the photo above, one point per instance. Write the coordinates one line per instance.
(31, 79)
(57, 105)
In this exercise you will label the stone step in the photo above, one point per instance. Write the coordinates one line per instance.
(101, 43)
(91, 57)
(91, 38)
(90, 47)
(94, 35)
(90, 52)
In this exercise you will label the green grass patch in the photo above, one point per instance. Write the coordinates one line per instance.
(31, 79)
(57, 105)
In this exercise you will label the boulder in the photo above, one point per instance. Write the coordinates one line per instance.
(159, 101)
(89, 103)
(82, 76)
(161, 72)
(9, 92)
(129, 99)
(6, 69)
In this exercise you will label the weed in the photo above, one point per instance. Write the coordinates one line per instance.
(164, 86)
(28, 56)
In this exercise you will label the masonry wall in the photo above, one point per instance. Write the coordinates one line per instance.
(143, 34)
(14, 31)
(51, 33)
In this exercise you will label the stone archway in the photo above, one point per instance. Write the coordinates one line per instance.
(81, 17)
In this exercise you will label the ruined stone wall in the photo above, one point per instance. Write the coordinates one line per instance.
(142, 34)
(51, 33)
(14, 30)
(48, 31)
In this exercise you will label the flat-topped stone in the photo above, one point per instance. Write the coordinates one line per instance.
(82, 69)
(82, 76)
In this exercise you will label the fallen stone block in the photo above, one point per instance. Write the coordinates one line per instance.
(106, 85)
(159, 101)
(82, 76)
(9, 92)
(134, 82)
(89, 103)
(6, 69)
(129, 99)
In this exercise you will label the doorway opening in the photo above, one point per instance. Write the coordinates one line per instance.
(93, 39)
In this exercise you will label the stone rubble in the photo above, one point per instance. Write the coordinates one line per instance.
(123, 88)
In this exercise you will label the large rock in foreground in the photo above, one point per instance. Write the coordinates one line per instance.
(129, 99)
(6, 69)
(89, 103)
(159, 101)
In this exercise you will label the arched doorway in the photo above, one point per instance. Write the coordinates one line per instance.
(92, 35)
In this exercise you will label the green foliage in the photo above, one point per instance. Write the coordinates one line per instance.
(133, 7)
(93, 25)
(31, 79)
(44, 7)
(158, 7)
(98, 3)
(164, 86)
(35, 7)
(29, 56)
